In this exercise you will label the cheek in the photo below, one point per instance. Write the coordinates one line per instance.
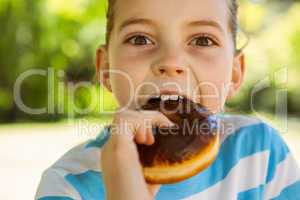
(213, 72)
(122, 86)
(127, 74)
(129, 59)
(214, 68)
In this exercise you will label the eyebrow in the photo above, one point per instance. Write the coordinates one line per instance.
(133, 21)
(207, 23)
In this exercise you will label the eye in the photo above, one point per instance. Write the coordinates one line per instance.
(139, 40)
(203, 41)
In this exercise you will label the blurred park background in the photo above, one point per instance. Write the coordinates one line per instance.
(57, 40)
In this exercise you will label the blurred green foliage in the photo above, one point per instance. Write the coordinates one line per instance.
(272, 55)
(37, 34)
(63, 35)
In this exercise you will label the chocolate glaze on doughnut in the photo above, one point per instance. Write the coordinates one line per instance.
(195, 129)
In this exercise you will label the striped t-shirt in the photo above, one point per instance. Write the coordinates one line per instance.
(253, 163)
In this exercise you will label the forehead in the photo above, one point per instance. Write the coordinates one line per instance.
(164, 12)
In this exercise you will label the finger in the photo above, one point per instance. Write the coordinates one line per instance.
(150, 137)
(161, 120)
(156, 118)
(140, 138)
(141, 134)
(138, 122)
(150, 119)
(144, 135)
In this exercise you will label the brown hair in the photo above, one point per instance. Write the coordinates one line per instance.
(233, 24)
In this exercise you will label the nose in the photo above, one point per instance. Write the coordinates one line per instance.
(168, 70)
(170, 65)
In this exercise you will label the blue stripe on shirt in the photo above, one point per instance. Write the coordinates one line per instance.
(100, 140)
(244, 142)
(88, 184)
(253, 194)
(278, 152)
(290, 192)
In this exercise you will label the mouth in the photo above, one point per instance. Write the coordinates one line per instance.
(172, 102)
(178, 108)
(172, 97)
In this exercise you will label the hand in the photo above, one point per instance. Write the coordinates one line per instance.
(122, 171)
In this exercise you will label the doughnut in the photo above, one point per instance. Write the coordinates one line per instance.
(181, 151)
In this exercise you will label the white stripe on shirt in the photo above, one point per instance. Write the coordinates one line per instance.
(54, 184)
(80, 159)
(232, 123)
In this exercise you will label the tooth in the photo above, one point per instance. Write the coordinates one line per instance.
(165, 97)
(174, 97)
(181, 97)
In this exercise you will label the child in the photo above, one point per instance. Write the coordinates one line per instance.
(186, 48)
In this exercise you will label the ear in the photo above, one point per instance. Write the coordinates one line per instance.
(238, 74)
(102, 67)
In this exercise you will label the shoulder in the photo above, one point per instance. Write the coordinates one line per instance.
(268, 158)
(253, 139)
(246, 127)
(85, 156)
(247, 136)
(76, 172)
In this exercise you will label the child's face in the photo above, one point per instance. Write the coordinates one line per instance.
(178, 45)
